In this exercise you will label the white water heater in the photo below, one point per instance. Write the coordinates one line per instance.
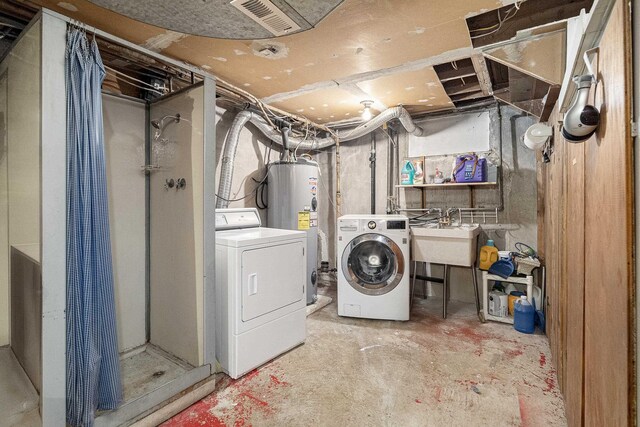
(293, 205)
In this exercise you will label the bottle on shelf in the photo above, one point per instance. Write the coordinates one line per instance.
(407, 173)
(438, 178)
(488, 255)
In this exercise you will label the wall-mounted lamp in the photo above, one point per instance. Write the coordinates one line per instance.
(537, 136)
(366, 113)
(581, 120)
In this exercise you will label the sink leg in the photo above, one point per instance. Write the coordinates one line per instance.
(415, 273)
(475, 287)
(445, 291)
(424, 282)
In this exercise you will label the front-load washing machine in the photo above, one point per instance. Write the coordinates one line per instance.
(373, 270)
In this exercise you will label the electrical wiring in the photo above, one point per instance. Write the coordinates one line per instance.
(497, 27)
(250, 97)
(113, 70)
(388, 136)
(264, 108)
(306, 135)
(237, 199)
(138, 86)
(260, 201)
(246, 196)
(485, 28)
(312, 147)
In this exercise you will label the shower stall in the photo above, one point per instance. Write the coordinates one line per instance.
(160, 164)
(20, 232)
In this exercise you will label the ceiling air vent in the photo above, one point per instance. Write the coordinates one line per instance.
(267, 15)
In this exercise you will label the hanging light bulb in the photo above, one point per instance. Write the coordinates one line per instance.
(366, 113)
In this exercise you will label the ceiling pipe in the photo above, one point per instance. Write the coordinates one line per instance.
(233, 138)
(343, 135)
(372, 166)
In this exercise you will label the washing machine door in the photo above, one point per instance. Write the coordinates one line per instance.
(373, 264)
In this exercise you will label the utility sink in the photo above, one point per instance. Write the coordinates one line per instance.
(452, 245)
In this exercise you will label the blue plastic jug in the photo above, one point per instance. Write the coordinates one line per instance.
(523, 316)
(407, 173)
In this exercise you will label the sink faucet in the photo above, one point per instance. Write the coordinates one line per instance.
(445, 220)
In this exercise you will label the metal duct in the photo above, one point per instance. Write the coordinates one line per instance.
(228, 158)
(344, 135)
(233, 137)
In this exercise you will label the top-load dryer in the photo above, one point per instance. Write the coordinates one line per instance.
(373, 270)
(261, 286)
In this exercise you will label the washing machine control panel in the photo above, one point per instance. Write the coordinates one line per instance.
(348, 225)
(373, 224)
(397, 225)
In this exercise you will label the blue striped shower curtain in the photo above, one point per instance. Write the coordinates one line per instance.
(93, 369)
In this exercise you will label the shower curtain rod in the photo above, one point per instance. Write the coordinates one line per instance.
(134, 47)
(125, 75)
(124, 79)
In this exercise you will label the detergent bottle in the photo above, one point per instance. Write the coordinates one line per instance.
(488, 255)
(523, 316)
(407, 173)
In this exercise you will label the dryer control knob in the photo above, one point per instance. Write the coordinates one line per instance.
(371, 225)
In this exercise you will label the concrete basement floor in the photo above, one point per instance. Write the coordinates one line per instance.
(425, 372)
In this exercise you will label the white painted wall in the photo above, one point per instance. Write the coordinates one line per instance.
(124, 132)
(177, 266)
(23, 167)
(452, 134)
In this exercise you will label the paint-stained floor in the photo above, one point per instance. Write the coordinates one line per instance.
(425, 372)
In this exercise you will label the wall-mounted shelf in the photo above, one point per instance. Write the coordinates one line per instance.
(450, 185)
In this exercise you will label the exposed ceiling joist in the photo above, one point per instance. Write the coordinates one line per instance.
(503, 24)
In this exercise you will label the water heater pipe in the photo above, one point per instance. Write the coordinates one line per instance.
(372, 165)
(390, 171)
(233, 137)
(338, 192)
